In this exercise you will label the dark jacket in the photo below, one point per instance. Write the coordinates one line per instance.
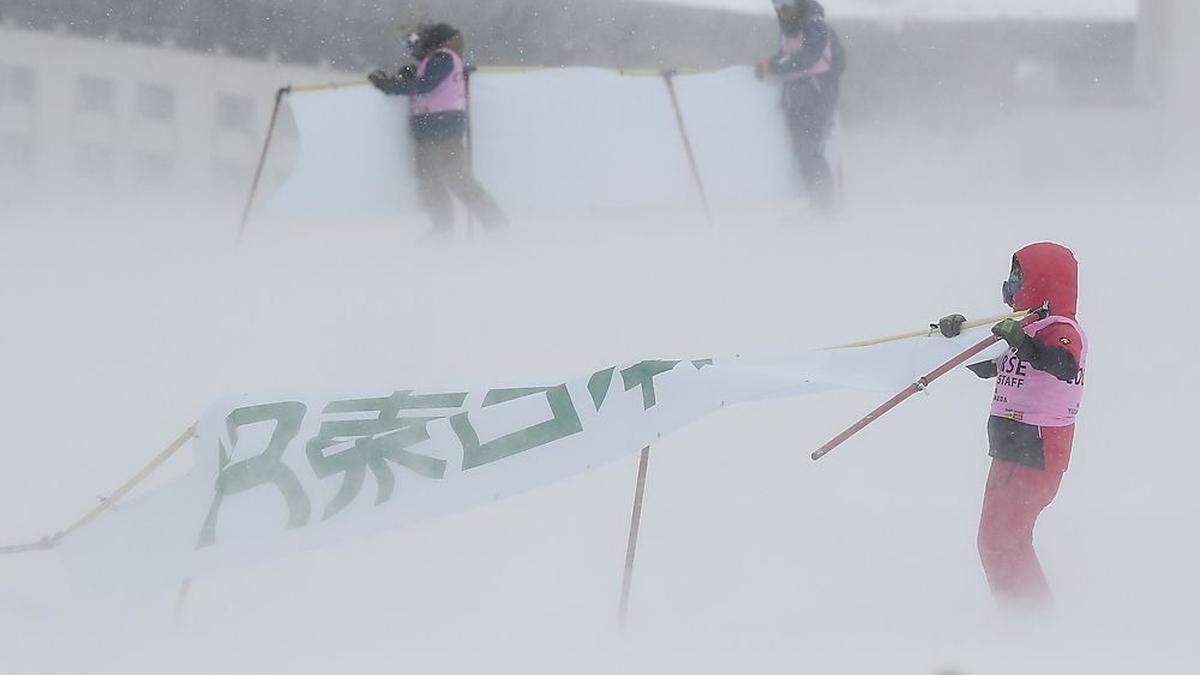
(820, 92)
(434, 126)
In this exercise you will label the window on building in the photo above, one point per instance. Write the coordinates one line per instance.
(96, 96)
(235, 114)
(155, 103)
(16, 84)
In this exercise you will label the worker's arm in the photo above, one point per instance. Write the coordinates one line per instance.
(1056, 350)
(816, 39)
(440, 67)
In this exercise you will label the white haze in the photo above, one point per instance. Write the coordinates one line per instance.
(117, 333)
(948, 9)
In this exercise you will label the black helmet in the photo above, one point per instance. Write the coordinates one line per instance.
(430, 38)
(793, 14)
(807, 8)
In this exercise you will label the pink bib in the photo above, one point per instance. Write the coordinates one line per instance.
(450, 95)
(1031, 396)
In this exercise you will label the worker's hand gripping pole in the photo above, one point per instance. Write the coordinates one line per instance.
(920, 385)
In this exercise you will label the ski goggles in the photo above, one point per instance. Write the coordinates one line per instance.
(1013, 285)
(1010, 290)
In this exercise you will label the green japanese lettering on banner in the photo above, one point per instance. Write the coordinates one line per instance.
(642, 375)
(266, 468)
(598, 386)
(564, 422)
(376, 441)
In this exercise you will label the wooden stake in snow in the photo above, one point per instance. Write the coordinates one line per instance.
(635, 522)
(262, 161)
(470, 144)
(669, 78)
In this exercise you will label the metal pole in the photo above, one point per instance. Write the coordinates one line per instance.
(920, 385)
(470, 147)
(669, 78)
(262, 161)
(635, 522)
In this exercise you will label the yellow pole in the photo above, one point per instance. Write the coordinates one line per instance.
(491, 70)
(47, 543)
(50, 542)
(930, 331)
(328, 86)
(125, 489)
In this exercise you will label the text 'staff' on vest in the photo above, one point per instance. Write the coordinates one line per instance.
(1026, 394)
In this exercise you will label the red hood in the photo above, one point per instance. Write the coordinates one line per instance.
(1051, 274)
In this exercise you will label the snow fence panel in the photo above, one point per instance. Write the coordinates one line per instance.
(355, 160)
(578, 141)
(740, 138)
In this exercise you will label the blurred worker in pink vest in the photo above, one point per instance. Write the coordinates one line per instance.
(1039, 387)
(437, 88)
(810, 62)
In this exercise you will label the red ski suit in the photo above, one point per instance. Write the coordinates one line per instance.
(1028, 461)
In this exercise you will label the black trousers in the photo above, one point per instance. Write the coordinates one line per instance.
(810, 111)
(442, 171)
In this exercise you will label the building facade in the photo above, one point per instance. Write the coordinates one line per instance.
(155, 98)
(84, 118)
(1168, 62)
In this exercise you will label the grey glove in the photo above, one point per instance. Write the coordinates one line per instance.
(379, 78)
(950, 326)
(1011, 331)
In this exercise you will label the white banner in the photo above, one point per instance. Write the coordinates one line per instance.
(277, 474)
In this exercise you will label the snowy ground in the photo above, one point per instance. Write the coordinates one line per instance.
(752, 557)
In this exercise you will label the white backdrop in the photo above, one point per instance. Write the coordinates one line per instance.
(556, 142)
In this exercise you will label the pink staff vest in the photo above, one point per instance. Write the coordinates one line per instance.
(450, 95)
(1031, 396)
(790, 45)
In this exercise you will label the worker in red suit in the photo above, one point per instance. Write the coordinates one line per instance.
(1039, 386)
